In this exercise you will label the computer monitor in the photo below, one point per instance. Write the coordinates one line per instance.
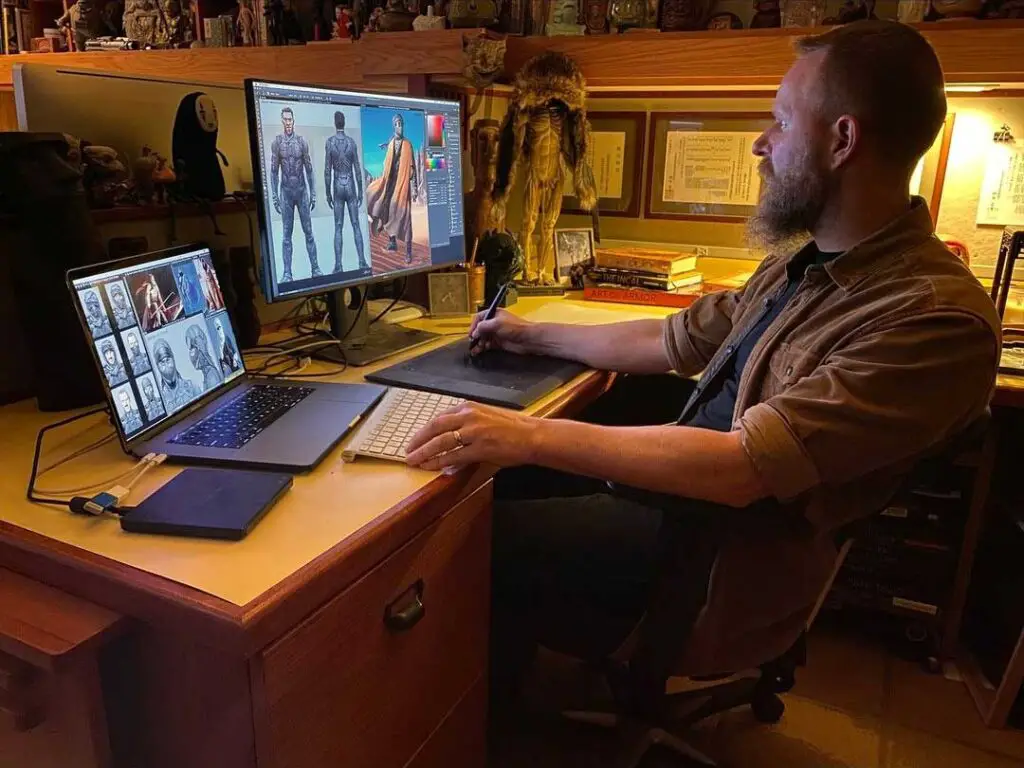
(352, 189)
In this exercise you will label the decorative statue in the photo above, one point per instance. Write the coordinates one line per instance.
(546, 124)
(396, 17)
(596, 17)
(163, 178)
(766, 14)
(483, 61)
(428, 21)
(113, 15)
(503, 257)
(141, 20)
(684, 15)
(274, 14)
(142, 171)
(343, 26)
(103, 174)
(627, 14)
(246, 23)
(483, 145)
(473, 13)
(563, 19)
(83, 19)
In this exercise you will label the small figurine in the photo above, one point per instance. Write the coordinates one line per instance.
(396, 17)
(83, 20)
(344, 28)
(143, 170)
(373, 24)
(563, 18)
(684, 15)
(428, 21)
(596, 17)
(725, 20)
(274, 14)
(766, 14)
(484, 157)
(163, 178)
(103, 174)
(576, 276)
(246, 23)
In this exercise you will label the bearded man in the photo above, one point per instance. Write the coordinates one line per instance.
(859, 345)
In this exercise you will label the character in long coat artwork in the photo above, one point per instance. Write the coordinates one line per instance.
(389, 198)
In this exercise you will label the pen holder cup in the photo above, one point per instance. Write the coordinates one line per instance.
(477, 281)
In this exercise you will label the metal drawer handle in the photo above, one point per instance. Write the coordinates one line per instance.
(404, 619)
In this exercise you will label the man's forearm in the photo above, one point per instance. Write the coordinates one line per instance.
(631, 347)
(681, 461)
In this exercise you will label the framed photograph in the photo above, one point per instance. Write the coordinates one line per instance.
(701, 166)
(448, 293)
(573, 248)
(616, 155)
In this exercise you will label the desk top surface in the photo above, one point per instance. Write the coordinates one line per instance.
(324, 507)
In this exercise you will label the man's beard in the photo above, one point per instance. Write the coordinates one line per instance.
(790, 205)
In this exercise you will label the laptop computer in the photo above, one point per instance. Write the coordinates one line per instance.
(175, 379)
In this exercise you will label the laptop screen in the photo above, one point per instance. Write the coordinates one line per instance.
(161, 335)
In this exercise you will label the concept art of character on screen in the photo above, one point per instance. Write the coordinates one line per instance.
(224, 344)
(156, 298)
(95, 315)
(396, 201)
(121, 308)
(151, 403)
(127, 409)
(138, 360)
(110, 359)
(313, 163)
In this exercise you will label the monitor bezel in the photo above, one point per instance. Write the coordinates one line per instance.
(270, 292)
(147, 433)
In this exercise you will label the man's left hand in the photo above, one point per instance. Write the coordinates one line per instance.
(474, 434)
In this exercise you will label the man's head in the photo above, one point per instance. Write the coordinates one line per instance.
(133, 344)
(117, 295)
(339, 120)
(195, 340)
(147, 388)
(165, 360)
(855, 113)
(288, 120)
(398, 124)
(109, 355)
(126, 401)
(92, 303)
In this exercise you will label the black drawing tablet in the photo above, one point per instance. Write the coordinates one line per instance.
(495, 377)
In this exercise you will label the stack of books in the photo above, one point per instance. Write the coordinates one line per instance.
(644, 276)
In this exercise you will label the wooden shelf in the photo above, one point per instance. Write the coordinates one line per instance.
(128, 213)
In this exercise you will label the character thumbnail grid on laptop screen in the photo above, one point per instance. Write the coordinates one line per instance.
(161, 334)
(354, 186)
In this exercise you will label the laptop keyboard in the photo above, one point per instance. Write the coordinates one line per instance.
(237, 422)
(399, 416)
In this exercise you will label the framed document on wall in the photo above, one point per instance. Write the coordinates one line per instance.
(701, 166)
(616, 155)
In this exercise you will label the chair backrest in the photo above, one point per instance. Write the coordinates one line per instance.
(741, 627)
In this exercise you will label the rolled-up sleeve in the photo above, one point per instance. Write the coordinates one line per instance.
(692, 337)
(885, 397)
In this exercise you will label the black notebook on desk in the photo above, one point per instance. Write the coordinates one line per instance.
(493, 377)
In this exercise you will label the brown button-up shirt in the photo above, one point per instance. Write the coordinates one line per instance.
(881, 354)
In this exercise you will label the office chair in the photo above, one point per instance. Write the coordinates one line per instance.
(748, 665)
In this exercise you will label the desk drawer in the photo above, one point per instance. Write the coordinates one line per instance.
(364, 681)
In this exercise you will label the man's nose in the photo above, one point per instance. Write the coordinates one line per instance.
(760, 147)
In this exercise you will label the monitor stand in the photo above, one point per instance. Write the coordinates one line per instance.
(365, 343)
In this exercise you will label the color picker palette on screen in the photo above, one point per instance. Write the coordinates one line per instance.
(435, 131)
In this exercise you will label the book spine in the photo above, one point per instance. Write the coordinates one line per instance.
(640, 296)
(631, 279)
(644, 264)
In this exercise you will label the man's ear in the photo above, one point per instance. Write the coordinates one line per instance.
(845, 140)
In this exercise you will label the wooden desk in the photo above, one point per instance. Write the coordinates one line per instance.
(273, 651)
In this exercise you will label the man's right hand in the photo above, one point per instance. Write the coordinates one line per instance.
(330, 202)
(503, 331)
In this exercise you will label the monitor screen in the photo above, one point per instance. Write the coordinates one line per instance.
(353, 187)
(161, 335)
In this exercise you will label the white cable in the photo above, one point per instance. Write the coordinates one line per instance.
(139, 467)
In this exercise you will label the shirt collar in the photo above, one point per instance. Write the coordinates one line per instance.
(898, 236)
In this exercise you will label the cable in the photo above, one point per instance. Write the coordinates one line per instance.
(398, 298)
(30, 493)
(80, 452)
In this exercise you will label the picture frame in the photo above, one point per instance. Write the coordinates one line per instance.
(574, 247)
(693, 192)
(618, 135)
(448, 293)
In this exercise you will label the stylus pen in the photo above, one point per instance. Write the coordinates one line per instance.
(491, 312)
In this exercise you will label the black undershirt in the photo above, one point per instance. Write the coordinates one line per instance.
(716, 405)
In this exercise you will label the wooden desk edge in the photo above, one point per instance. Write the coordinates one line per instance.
(247, 629)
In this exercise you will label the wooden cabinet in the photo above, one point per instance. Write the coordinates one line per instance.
(384, 671)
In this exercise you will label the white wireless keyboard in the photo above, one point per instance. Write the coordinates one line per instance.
(400, 414)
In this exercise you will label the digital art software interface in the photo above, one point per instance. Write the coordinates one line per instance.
(161, 335)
